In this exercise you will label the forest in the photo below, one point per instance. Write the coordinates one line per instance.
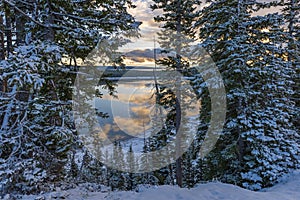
(242, 60)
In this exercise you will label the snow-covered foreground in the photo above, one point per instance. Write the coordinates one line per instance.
(288, 189)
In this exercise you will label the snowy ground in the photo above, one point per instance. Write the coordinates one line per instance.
(288, 189)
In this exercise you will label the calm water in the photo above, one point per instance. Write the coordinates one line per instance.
(133, 113)
(130, 111)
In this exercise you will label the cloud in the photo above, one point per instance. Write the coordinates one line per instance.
(148, 28)
(141, 112)
(143, 55)
(133, 126)
(143, 118)
(140, 55)
(101, 133)
(144, 98)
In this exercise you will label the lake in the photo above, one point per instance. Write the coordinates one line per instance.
(128, 112)
(132, 112)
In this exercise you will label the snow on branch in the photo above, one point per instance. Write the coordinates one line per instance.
(23, 13)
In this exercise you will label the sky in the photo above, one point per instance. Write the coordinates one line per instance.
(149, 28)
(141, 49)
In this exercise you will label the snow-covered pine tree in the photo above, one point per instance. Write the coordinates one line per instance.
(274, 139)
(177, 34)
(131, 164)
(291, 14)
(189, 168)
(37, 128)
(269, 140)
(225, 39)
(77, 26)
(117, 177)
(145, 163)
(253, 150)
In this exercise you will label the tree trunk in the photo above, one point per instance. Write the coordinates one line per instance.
(20, 24)
(2, 52)
(2, 47)
(7, 33)
(49, 32)
(178, 100)
(8, 30)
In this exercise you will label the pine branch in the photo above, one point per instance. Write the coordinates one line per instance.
(24, 14)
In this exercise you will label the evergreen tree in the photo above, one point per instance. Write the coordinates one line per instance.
(189, 169)
(145, 164)
(291, 15)
(177, 33)
(253, 150)
(37, 128)
(131, 176)
(117, 178)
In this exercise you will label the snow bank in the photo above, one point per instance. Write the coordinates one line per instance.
(287, 189)
(214, 191)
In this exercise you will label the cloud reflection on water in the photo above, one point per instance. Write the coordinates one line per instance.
(134, 112)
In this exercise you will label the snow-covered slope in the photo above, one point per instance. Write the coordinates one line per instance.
(216, 191)
(288, 189)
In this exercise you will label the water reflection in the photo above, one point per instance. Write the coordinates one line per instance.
(133, 112)
(129, 112)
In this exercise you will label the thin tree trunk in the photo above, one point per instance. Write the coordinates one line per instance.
(2, 47)
(8, 35)
(178, 100)
(5, 122)
(240, 109)
(2, 52)
(49, 32)
(8, 28)
(20, 24)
